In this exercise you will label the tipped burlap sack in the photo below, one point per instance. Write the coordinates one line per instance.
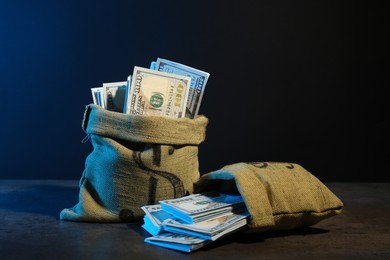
(136, 160)
(279, 196)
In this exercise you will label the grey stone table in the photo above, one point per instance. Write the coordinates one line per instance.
(30, 229)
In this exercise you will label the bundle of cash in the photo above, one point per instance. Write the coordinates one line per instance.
(217, 215)
(167, 88)
(178, 242)
(199, 207)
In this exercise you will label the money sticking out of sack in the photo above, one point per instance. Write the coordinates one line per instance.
(167, 88)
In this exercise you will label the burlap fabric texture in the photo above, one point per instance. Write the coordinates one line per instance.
(279, 196)
(136, 160)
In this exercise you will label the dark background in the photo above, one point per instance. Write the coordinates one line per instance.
(294, 81)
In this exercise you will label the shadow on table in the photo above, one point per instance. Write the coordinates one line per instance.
(248, 238)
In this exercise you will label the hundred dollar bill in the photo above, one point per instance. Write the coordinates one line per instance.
(157, 93)
(128, 84)
(199, 207)
(114, 95)
(210, 229)
(177, 242)
(198, 82)
(151, 228)
(156, 214)
(177, 238)
(97, 96)
(154, 217)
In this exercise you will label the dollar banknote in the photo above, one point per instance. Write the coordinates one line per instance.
(157, 93)
(156, 214)
(154, 218)
(177, 238)
(97, 96)
(128, 88)
(178, 242)
(198, 82)
(150, 227)
(114, 94)
(210, 229)
(199, 207)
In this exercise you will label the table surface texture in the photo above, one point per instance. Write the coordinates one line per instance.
(30, 229)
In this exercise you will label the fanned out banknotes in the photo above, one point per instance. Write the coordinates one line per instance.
(191, 222)
(167, 88)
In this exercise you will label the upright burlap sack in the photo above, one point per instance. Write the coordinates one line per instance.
(279, 196)
(136, 160)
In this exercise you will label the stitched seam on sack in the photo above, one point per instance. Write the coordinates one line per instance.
(114, 133)
(302, 212)
(100, 113)
(260, 219)
(144, 138)
(121, 137)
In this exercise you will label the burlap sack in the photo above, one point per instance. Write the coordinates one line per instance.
(136, 160)
(279, 196)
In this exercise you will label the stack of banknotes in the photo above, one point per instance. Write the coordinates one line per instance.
(167, 88)
(191, 222)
